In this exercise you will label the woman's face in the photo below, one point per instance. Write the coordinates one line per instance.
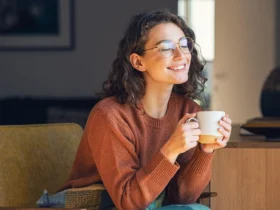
(160, 69)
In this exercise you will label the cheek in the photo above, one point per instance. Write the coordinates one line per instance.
(157, 62)
(189, 58)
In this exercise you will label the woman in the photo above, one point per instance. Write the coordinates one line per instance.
(136, 140)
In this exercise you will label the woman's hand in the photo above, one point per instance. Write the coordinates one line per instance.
(225, 130)
(183, 138)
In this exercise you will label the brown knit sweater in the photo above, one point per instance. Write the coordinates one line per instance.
(121, 147)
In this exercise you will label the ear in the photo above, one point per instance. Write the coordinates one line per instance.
(136, 62)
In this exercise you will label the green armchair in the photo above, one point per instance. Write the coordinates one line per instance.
(38, 157)
(34, 158)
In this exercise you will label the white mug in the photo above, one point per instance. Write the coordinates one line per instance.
(209, 124)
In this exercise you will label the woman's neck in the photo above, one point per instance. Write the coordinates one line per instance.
(155, 101)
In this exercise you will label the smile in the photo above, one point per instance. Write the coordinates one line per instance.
(177, 68)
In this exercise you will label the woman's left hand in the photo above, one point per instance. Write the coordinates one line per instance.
(225, 130)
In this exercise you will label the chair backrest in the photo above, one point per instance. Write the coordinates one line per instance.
(34, 158)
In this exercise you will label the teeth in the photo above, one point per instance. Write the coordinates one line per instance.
(178, 67)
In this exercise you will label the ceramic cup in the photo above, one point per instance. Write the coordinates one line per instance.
(209, 124)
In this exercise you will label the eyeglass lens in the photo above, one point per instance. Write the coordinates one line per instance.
(167, 47)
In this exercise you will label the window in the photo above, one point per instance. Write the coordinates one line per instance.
(200, 17)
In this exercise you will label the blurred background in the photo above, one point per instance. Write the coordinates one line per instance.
(55, 54)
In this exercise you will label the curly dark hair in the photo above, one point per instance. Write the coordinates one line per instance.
(126, 83)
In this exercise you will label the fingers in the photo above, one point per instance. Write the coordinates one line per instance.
(196, 132)
(225, 133)
(186, 117)
(190, 125)
(192, 135)
(191, 129)
(225, 122)
(190, 144)
(192, 138)
(193, 144)
(225, 125)
(221, 143)
(227, 119)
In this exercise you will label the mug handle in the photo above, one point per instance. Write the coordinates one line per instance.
(192, 118)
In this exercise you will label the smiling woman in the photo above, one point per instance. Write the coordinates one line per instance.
(136, 140)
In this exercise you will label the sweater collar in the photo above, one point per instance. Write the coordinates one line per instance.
(166, 119)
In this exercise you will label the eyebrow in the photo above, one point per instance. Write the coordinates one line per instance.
(162, 41)
(167, 40)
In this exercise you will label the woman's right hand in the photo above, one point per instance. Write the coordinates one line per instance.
(183, 138)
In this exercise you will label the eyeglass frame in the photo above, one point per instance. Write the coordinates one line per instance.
(178, 43)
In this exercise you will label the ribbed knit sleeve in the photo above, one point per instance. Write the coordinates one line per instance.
(113, 149)
(193, 176)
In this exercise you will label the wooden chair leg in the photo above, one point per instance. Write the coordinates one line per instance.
(206, 195)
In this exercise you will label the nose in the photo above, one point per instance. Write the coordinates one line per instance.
(178, 54)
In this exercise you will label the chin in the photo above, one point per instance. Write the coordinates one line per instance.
(181, 81)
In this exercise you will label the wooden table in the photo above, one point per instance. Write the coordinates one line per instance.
(246, 174)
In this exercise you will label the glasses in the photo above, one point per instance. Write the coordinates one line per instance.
(167, 47)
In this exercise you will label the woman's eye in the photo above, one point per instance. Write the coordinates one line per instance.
(184, 46)
(166, 49)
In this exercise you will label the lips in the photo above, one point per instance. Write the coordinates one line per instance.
(177, 68)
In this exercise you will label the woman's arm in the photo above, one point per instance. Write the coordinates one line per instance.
(112, 146)
(192, 178)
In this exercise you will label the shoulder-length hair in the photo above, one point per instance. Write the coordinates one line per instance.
(126, 83)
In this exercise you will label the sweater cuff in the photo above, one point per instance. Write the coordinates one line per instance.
(160, 169)
(201, 161)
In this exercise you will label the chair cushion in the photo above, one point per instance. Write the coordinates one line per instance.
(33, 158)
(91, 197)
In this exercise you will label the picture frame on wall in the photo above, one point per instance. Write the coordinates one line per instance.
(37, 25)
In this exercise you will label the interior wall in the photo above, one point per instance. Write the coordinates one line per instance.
(244, 55)
(99, 27)
(277, 33)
